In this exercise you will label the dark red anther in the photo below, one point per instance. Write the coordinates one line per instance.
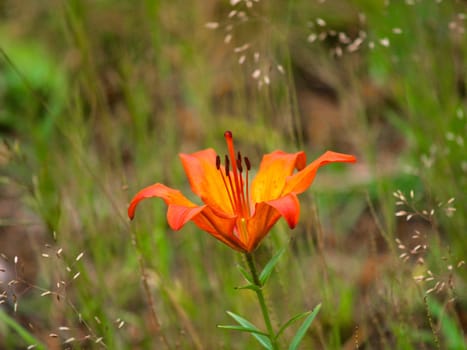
(218, 162)
(227, 165)
(239, 164)
(228, 134)
(247, 163)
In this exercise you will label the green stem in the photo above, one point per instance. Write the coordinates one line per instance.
(262, 301)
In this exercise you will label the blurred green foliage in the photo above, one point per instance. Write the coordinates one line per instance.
(98, 98)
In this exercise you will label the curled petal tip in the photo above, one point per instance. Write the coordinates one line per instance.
(131, 211)
(156, 190)
(339, 157)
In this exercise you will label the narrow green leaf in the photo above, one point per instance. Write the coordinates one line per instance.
(22, 332)
(249, 286)
(242, 329)
(291, 321)
(303, 328)
(262, 339)
(264, 276)
(245, 274)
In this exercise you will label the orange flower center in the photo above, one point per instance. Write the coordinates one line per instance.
(235, 181)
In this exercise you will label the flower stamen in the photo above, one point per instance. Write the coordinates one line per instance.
(247, 187)
(229, 190)
(233, 188)
(236, 177)
(235, 185)
(245, 206)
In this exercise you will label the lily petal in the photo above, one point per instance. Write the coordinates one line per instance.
(178, 215)
(260, 224)
(289, 207)
(206, 180)
(180, 211)
(273, 172)
(221, 228)
(300, 181)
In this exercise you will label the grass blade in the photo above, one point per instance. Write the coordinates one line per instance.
(449, 328)
(22, 332)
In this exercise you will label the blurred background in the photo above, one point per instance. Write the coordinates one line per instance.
(97, 98)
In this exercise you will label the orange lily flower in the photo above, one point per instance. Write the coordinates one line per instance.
(234, 212)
